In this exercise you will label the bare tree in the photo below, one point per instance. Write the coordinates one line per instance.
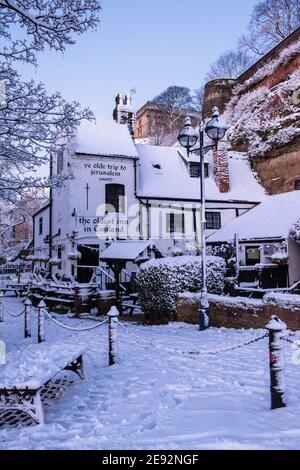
(271, 21)
(198, 99)
(230, 64)
(32, 123)
(28, 26)
(171, 105)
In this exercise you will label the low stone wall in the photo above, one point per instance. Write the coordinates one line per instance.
(241, 312)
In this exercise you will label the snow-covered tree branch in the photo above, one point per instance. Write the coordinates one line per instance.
(44, 23)
(34, 124)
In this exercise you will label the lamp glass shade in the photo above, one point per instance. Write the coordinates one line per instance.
(188, 136)
(216, 128)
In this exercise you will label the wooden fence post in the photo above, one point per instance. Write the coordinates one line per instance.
(113, 321)
(1, 307)
(27, 318)
(41, 322)
(276, 354)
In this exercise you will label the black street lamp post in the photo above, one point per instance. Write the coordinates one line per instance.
(188, 137)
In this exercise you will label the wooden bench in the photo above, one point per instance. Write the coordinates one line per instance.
(28, 371)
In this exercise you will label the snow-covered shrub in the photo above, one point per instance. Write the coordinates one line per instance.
(225, 250)
(295, 232)
(160, 281)
(280, 256)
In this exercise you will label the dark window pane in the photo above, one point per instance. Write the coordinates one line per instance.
(40, 225)
(175, 223)
(195, 170)
(115, 197)
(213, 220)
(60, 161)
(297, 185)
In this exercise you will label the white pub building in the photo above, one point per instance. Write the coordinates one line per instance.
(115, 189)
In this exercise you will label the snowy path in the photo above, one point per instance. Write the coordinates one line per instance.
(154, 399)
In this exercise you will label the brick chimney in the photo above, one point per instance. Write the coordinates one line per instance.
(221, 168)
(124, 113)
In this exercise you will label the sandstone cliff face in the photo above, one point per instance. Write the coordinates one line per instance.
(265, 120)
(280, 172)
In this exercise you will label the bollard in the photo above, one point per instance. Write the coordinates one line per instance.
(27, 318)
(113, 321)
(41, 322)
(1, 307)
(276, 354)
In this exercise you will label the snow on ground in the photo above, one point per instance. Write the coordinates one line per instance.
(156, 399)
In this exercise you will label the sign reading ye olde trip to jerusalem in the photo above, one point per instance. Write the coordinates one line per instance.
(99, 223)
(106, 171)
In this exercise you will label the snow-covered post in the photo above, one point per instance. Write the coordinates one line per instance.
(41, 321)
(113, 321)
(1, 307)
(27, 318)
(276, 354)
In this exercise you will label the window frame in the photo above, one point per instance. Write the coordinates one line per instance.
(215, 223)
(111, 198)
(171, 225)
(195, 165)
(297, 184)
(41, 225)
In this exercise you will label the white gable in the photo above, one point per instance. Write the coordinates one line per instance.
(104, 137)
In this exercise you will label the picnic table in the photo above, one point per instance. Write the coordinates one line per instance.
(17, 289)
(28, 371)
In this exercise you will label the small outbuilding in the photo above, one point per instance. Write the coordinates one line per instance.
(266, 236)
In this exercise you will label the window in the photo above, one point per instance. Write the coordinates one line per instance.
(297, 184)
(40, 225)
(269, 250)
(115, 198)
(252, 255)
(60, 161)
(213, 220)
(175, 223)
(195, 170)
(59, 251)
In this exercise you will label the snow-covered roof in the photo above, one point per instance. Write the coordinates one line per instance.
(104, 137)
(125, 249)
(273, 218)
(172, 179)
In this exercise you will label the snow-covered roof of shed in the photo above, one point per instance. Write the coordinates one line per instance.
(104, 137)
(172, 180)
(125, 249)
(273, 218)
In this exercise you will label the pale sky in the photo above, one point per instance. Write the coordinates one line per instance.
(145, 44)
